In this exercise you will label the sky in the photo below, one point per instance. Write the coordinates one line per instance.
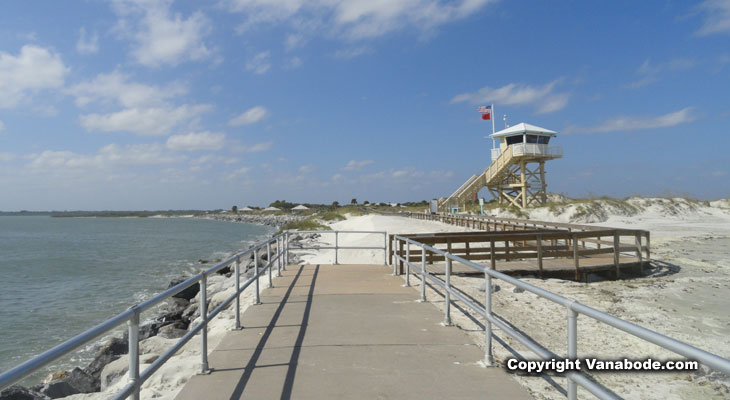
(160, 104)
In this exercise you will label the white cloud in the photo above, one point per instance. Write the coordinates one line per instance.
(354, 165)
(197, 141)
(116, 87)
(255, 148)
(352, 52)
(259, 147)
(294, 41)
(717, 17)
(237, 173)
(108, 156)
(293, 63)
(306, 169)
(34, 69)
(543, 98)
(161, 36)
(650, 73)
(249, 116)
(153, 121)
(359, 19)
(87, 45)
(259, 64)
(627, 123)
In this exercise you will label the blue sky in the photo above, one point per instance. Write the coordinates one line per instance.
(150, 104)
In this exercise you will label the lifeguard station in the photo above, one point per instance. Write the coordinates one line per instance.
(516, 175)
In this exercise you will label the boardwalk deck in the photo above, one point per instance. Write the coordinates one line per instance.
(346, 331)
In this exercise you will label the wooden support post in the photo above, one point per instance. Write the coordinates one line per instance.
(575, 257)
(523, 181)
(468, 251)
(401, 254)
(390, 249)
(493, 262)
(616, 244)
(648, 250)
(638, 251)
(543, 183)
(539, 253)
(506, 250)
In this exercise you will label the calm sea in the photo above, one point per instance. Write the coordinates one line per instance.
(61, 276)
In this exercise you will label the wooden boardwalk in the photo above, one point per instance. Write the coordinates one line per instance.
(552, 268)
(347, 332)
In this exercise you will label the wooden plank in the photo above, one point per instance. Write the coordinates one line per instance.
(616, 255)
(576, 258)
(539, 254)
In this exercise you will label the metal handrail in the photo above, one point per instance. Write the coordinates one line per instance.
(337, 246)
(132, 315)
(573, 309)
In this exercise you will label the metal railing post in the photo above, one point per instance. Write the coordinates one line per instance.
(256, 274)
(279, 253)
(408, 264)
(269, 262)
(286, 250)
(237, 273)
(385, 248)
(204, 316)
(447, 291)
(572, 349)
(488, 357)
(423, 274)
(133, 348)
(337, 245)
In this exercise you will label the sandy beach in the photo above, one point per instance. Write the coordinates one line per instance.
(684, 296)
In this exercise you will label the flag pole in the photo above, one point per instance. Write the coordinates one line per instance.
(492, 124)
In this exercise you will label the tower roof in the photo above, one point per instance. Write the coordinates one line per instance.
(521, 128)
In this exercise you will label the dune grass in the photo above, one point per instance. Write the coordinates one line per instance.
(309, 224)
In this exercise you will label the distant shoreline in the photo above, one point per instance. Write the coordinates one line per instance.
(107, 214)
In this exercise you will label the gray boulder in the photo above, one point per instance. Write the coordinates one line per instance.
(78, 381)
(109, 351)
(187, 293)
(171, 332)
(17, 392)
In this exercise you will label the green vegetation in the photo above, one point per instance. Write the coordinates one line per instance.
(309, 224)
(330, 216)
(283, 204)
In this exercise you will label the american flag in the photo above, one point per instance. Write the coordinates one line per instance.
(486, 112)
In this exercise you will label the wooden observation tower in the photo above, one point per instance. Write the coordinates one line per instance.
(516, 175)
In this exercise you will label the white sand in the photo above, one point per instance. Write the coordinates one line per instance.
(686, 298)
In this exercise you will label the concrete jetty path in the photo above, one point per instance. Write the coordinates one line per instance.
(346, 332)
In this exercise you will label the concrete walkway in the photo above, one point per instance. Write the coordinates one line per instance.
(346, 331)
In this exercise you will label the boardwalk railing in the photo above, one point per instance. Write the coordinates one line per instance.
(573, 310)
(279, 244)
(507, 245)
(337, 246)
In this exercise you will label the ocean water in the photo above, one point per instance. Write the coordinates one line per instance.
(61, 276)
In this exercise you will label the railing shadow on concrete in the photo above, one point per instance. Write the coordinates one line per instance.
(573, 310)
(296, 349)
(279, 243)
